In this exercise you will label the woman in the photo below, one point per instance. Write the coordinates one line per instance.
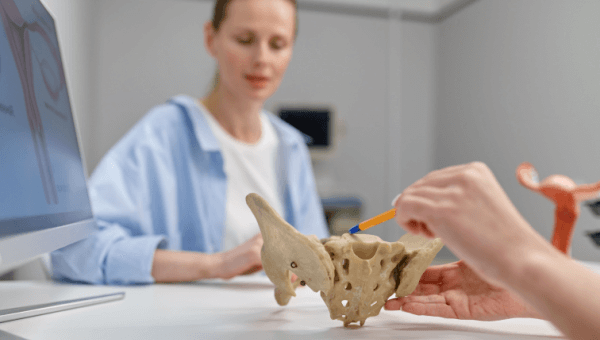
(507, 268)
(169, 197)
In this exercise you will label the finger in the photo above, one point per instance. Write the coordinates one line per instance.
(412, 227)
(434, 305)
(392, 304)
(417, 208)
(426, 289)
(430, 309)
(442, 176)
(418, 228)
(433, 274)
(426, 231)
(294, 279)
(399, 303)
(252, 270)
(436, 194)
(256, 238)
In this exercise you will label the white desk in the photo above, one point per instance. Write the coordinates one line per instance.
(241, 308)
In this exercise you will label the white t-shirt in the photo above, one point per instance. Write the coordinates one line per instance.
(249, 168)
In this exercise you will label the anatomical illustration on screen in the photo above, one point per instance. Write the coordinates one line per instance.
(20, 33)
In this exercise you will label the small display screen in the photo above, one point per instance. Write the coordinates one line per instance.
(315, 124)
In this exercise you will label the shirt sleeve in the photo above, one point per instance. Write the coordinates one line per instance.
(122, 250)
(109, 256)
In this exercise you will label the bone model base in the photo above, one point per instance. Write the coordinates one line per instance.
(355, 274)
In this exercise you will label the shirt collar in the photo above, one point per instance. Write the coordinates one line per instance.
(206, 138)
(204, 134)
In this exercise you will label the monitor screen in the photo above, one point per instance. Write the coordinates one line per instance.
(42, 179)
(314, 123)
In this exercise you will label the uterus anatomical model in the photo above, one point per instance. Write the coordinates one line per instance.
(565, 194)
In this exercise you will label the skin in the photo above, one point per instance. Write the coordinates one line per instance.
(455, 291)
(507, 268)
(253, 48)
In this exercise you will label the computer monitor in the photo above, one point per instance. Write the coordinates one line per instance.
(44, 202)
(316, 124)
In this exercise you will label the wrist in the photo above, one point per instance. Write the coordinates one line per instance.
(532, 268)
(524, 253)
(215, 262)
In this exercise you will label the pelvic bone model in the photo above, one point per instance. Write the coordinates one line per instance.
(356, 274)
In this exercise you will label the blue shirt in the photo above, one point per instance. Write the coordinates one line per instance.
(163, 186)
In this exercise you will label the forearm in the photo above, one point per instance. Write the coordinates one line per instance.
(563, 291)
(179, 266)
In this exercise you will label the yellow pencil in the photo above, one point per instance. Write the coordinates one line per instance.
(386, 216)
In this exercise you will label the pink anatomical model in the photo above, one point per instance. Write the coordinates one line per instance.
(565, 194)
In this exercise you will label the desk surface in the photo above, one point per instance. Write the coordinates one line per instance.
(241, 308)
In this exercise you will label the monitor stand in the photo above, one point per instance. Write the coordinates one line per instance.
(45, 308)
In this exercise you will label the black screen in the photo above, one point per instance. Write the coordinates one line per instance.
(315, 124)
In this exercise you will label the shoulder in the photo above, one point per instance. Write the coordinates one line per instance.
(163, 121)
(162, 129)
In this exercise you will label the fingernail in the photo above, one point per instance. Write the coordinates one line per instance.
(395, 199)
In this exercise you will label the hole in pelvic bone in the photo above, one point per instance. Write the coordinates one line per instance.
(395, 275)
(376, 286)
(332, 255)
(348, 286)
(365, 250)
(345, 265)
(345, 303)
(336, 278)
(294, 265)
(381, 263)
(402, 262)
(397, 272)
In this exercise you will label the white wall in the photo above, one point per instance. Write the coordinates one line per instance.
(519, 81)
(147, 51)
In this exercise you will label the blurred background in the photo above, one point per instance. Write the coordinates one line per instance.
(413, 86)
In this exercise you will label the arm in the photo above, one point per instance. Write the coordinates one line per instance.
(562, 290)
(122, 250)
(469, 210)
(177, 266)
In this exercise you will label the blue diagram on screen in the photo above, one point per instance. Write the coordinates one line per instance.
(41, 172)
